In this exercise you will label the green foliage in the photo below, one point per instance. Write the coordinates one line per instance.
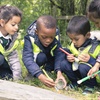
(32, 9)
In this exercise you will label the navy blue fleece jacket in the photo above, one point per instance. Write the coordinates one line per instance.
(28, 54)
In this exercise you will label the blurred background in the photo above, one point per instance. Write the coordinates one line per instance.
(62, 10)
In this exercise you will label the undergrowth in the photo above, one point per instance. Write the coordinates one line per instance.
(77, 94)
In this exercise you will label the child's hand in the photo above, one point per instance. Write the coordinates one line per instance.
(60, 76)
(70, 58)
(84, 57)
(46, 81)
(94, 69)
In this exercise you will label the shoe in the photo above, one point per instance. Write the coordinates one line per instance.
(71, 87)
(88, 90)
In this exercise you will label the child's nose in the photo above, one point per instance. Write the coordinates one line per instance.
(48, 40)
(16, 27)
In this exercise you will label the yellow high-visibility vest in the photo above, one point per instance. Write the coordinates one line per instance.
(7, 52)
(94, 54)
(37, 50)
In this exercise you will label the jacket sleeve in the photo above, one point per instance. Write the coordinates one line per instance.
(15, 65)
(28, 58)
(59, 57)
(92, 61)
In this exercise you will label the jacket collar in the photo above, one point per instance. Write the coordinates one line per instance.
(87, 42)
(6, 37)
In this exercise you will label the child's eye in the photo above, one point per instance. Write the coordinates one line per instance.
(13, 24)
(44, 37)
(52, 37)
(76, 39)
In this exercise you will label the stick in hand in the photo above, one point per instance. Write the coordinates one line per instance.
(76, 59)
(46, 74)
(64, 51)
(87, 77)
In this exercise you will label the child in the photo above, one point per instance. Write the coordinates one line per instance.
(78, 31)
(41, 48)
(10, 18)
(93, 14)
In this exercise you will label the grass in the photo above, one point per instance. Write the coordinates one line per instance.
(72, 93)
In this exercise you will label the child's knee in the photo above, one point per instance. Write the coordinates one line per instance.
(84, 68)
(65, 65)
(41, 59)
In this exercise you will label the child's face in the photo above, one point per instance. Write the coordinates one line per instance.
(45, 35)
(11, 27)
(96, 22)
(78, 39)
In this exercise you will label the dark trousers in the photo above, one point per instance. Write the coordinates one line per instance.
(5, 71)
(48, 62)
(76, 75)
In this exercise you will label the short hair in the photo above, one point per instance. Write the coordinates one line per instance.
(94, 9)
(78, 25)
(7, 12)
(47, 20)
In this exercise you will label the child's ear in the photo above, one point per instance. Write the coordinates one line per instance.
(2, 22)
(88, 35)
